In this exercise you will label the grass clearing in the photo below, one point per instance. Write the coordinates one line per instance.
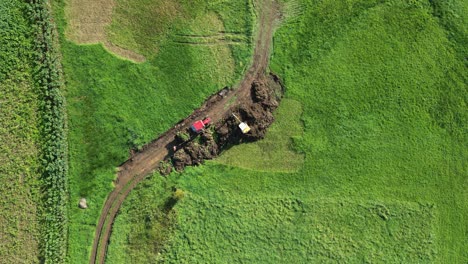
(87, 23)
(87, 20)
(19, 121)
(143, 29)
(131, 32)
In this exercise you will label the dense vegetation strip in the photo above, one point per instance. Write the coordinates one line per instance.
(19, 118)
(53, 138)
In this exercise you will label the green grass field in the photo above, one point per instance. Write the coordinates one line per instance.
(383, 91)
(205, 22)
(115, 105)
(366, 163)
(19, 121)
(260, 225)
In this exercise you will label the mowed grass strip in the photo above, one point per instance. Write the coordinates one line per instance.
(143, 30)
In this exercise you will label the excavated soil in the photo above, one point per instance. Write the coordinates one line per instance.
(256, 111)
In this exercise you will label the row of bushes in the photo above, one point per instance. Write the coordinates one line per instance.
(49, 81)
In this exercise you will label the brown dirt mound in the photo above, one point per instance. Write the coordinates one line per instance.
(256, 111)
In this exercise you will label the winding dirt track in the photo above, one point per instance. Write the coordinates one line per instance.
(145, 162)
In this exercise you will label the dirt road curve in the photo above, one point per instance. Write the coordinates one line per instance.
(145, 162)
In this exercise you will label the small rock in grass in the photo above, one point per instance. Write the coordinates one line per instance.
(82, 204)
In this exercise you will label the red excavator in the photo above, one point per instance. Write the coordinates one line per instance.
(198, 126)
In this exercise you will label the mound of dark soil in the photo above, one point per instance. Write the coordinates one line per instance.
(257, 112)
(196, 151)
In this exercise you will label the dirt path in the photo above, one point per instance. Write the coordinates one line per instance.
(145, 162)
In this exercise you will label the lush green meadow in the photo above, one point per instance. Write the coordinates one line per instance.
(383, 88)
(19, 152)
(114, 105)
(227, 218)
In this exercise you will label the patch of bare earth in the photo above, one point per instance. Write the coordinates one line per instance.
(87, 22)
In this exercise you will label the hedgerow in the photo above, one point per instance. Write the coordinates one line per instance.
(48, 78)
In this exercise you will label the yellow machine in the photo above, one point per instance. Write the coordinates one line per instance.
(243, 126)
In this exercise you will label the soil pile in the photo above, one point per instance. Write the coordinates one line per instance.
(196, 151)
(256, 111)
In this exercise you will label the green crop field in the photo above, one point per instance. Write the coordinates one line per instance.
(19, 120)
(114, 105)
(367, 162)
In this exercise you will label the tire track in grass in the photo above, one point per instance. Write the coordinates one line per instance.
(143, 163)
